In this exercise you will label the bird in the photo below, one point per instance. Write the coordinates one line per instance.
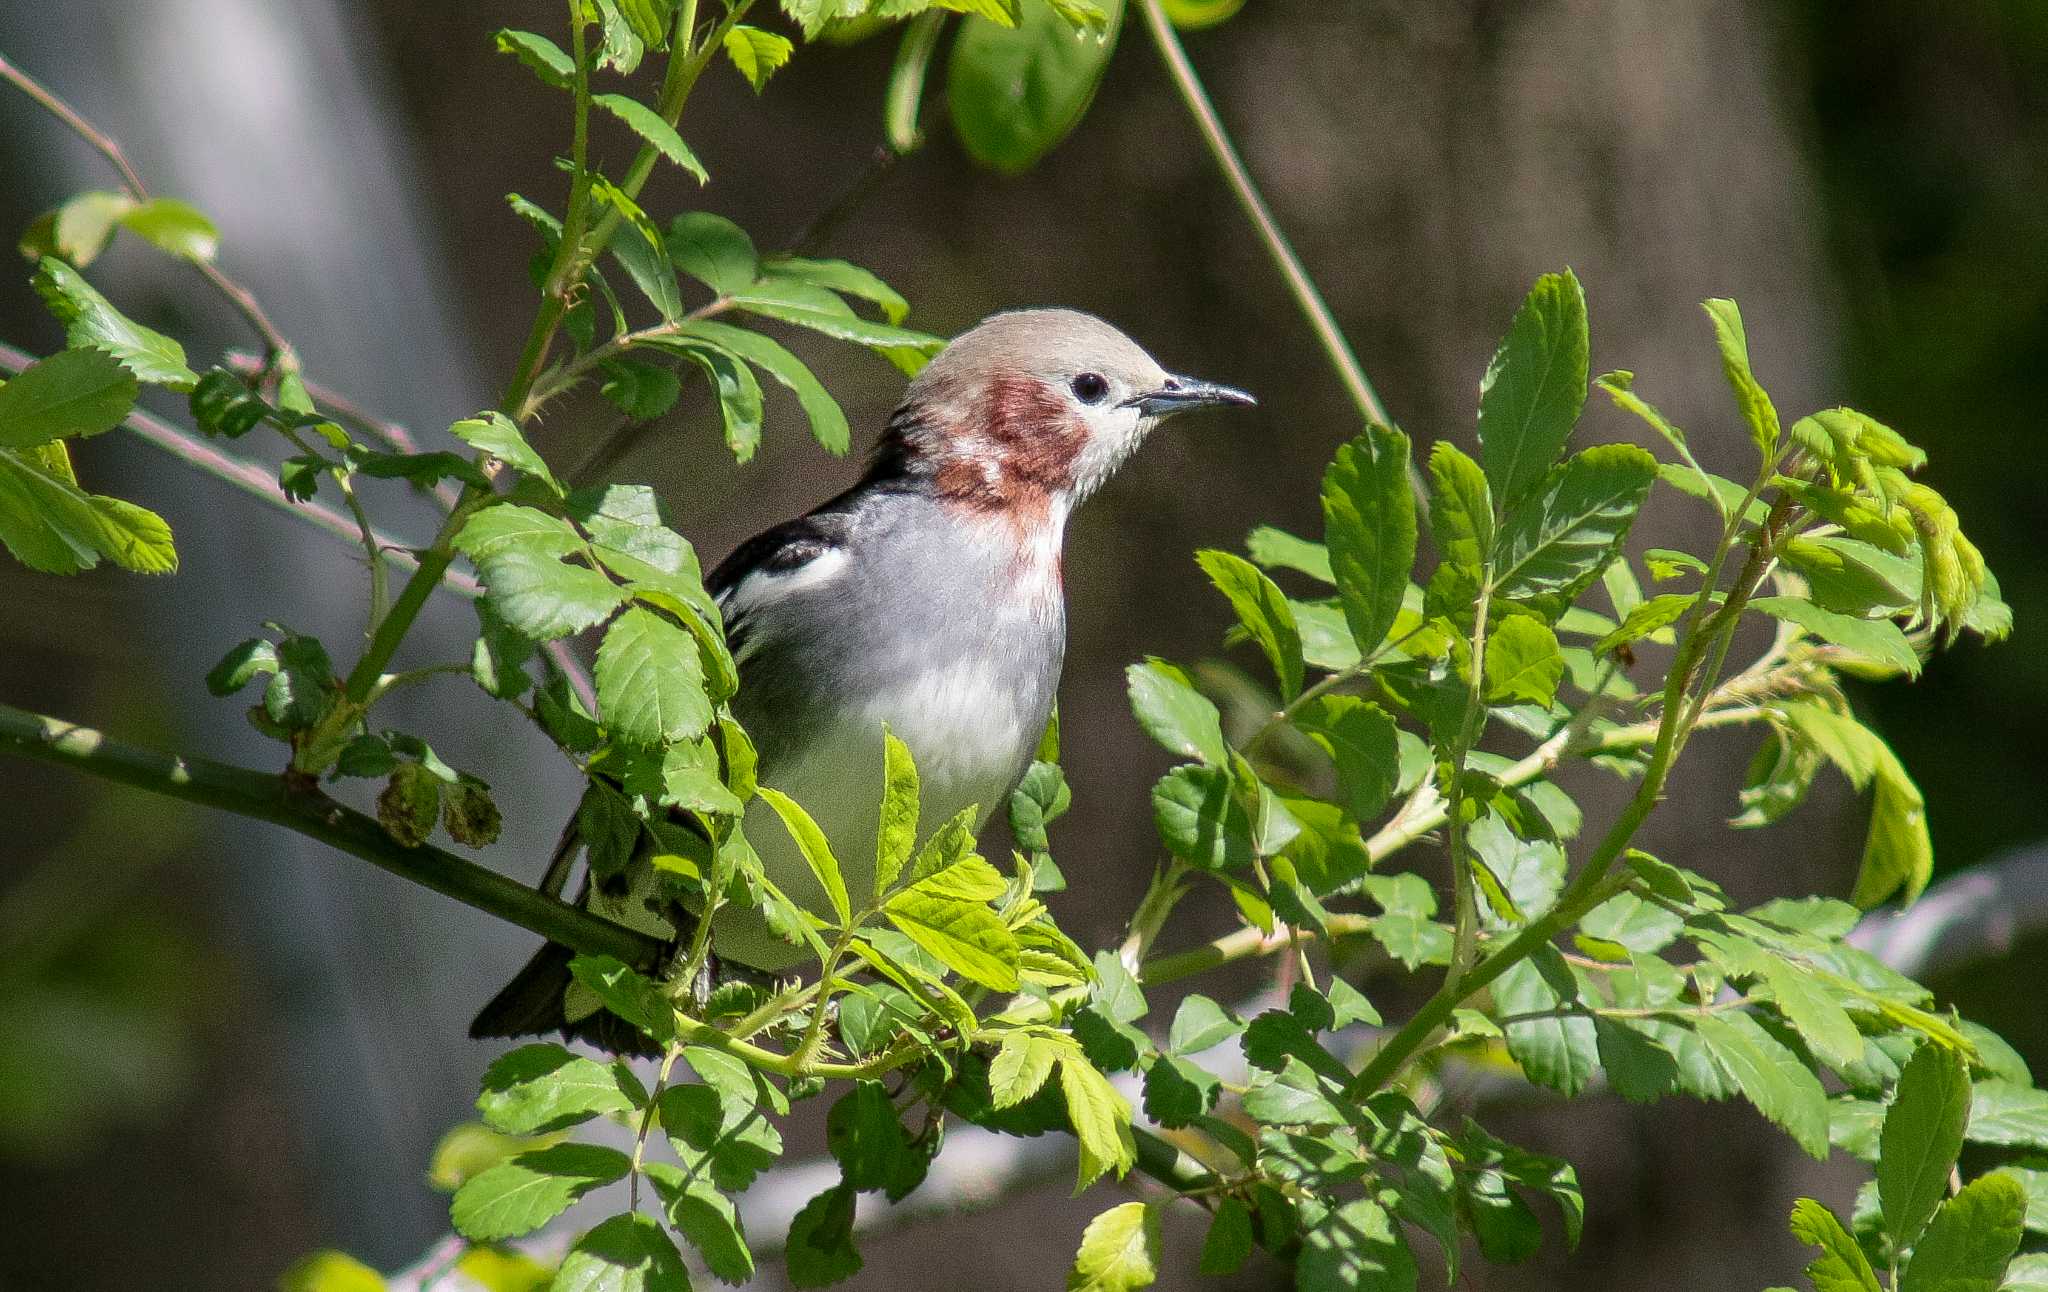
(928, 599)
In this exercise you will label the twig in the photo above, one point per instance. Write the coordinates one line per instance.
(243, 300)
(263, 796)
(1247, 193)
(84, 129)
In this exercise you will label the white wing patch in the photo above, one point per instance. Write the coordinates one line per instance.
(765, 587)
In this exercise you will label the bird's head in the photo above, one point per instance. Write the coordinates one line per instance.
(1031, 411)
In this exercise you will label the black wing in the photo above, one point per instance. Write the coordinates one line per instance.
(785, 549)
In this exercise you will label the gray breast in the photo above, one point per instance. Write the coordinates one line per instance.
(936, 624)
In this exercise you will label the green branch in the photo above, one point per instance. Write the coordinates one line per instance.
(262, 796)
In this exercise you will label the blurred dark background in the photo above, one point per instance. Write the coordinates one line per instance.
(221, 1047)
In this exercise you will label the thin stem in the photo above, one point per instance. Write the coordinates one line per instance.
(668, 1064)
(380, 586)
(84, 129)
(1324, 324)
(823, 997)
(392, 628)
(302, 808)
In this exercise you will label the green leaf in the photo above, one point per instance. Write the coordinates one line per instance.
(52, 525)
(91, 321)
(1176, 715)
(1200, 1024)
(2007, 1113)
(1557, 541)
(640, 251)
(810, 840)
(494, 433)
(1369, 527)
(1523, 665)
(1229, 1241)
(839, 276)
(1200, 820)
(821, 1248)
(648, 124)
(714, 251)
(1276, 549)
(642, 391)
(896, 836)
(1358, 1248)
(518, 555)
(74, 393)
(756, 53)
(1263, 609)
(1362, 741)
(330, 1271)
(1534, 388)
(544, 1087)
(806, 306)
(519, 1196)
(1879, 640)
(628, 993)
(1460, 509)
(1021, 1067)
(1971, 1241)
(78, 230)
(1657, 613)
(2027, 1273)
(739, 398)
(1016, 92)
(541, 55)
(1749, 393)
(628, 1253)
(1770, 1076)
(865, 1137)
(1101, 1119)
(1805, 1003)
(720, 1129)
(1897, 853)
(1558, 1048)
(1923, 1133)
(1841, 1265)
(172, 226)
(650, 681)
(1119, 1251)
(828, 422)
(708, 1219)
(966, 937)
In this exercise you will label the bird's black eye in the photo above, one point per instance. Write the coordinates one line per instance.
(1090, 388)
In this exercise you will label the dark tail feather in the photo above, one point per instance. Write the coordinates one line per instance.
(531, 1005)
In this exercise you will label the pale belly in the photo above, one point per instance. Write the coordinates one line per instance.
(970, 742)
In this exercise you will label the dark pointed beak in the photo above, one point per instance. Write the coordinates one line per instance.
(1181, 393)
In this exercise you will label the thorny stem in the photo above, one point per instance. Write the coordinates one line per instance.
(278, 349)
(1321, 321)
(668, 1064)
